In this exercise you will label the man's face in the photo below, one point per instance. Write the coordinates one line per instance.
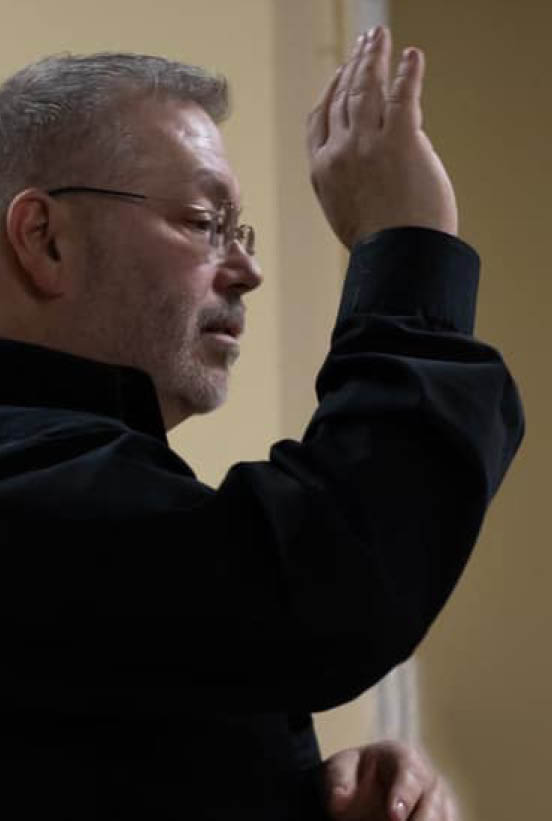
(163, 299)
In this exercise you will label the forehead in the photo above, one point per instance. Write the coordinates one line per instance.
(183, 149)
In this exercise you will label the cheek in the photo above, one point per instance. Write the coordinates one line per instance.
(172, 278)
(175, 267)
(177, 299)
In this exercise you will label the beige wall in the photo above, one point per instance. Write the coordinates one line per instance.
(486, 668)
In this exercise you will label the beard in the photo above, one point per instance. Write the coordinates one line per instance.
(186, 370)
(139, 324)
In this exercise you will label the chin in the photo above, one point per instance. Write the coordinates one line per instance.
(193, 389)
(211, 405)
(205, 395)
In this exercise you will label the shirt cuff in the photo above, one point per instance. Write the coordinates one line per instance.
(413, 271)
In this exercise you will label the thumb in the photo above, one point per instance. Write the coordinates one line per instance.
(340, 779)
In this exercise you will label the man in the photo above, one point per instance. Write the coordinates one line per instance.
(166, 643)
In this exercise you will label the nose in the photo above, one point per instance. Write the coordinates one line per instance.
(238, 270)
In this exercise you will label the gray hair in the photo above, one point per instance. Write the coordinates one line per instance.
(63, 117)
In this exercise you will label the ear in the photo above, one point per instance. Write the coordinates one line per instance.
(32, 227)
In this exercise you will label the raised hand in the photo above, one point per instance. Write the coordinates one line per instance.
(372, 166)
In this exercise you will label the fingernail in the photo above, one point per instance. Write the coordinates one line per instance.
(408, 55)
(359, 43)
(374, 37)
(374, 34)
(400, 810)
(339, 798)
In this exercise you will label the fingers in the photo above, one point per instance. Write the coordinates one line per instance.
(418, 793)
(341, 776)
(407, 774)
(317, 124)
(437, 804)
(355, 96)
(338, 115)
(328, 112)
(404, 103)
(371, 165)
(386, 780)
(358, 98)
(368, 89)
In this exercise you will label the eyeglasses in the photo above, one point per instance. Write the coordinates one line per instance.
(220, 226)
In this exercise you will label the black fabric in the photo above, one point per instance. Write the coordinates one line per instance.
(164, 643)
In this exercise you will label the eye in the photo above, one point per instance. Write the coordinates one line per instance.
(202, 225)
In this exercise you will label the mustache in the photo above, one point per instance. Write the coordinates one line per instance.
(228, 319)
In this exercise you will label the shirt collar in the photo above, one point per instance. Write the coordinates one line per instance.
(35, 376)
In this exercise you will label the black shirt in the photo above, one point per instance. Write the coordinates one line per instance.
(164, 643)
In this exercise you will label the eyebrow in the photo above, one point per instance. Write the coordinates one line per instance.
(213, 184)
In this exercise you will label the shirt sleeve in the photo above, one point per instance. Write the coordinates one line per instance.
(304, 579)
